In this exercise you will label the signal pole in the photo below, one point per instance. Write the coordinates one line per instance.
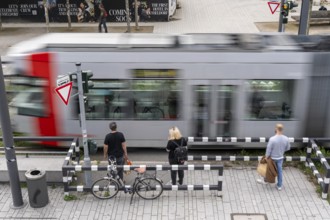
(306, 7)
(280, 22)
(8, 140)
(87, 160)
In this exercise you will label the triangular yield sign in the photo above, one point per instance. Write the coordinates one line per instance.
(64, 92)
(273, 6)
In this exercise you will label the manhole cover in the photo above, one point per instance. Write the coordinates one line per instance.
(248, 216)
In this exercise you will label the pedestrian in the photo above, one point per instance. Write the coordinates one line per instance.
(115, 145)
(175, 140)
(276, 147)
(103, 19)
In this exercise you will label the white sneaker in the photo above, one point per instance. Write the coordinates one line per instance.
(261, 181)
(278, 188)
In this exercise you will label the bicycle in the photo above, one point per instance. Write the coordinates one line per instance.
(108, 187)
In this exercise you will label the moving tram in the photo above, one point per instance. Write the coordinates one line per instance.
(209, 85)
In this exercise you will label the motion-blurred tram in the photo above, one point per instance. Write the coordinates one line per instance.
(209, 85)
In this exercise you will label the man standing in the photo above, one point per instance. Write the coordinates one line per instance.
(276, 147)
(103, 19)
(115, 145)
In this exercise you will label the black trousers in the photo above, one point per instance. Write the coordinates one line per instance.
(119, 161)
(174, 172)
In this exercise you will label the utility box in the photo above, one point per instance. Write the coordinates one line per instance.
(37, 188)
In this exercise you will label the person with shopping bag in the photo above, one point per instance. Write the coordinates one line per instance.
(276, 147)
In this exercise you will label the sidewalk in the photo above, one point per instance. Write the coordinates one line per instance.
(241, 194)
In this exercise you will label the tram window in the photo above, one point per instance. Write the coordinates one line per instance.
(29, 98)
(108, 99)
(156, 99)
(140, 99)
(269, 100)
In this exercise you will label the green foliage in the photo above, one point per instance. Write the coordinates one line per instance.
(23, 185)
(70, 198)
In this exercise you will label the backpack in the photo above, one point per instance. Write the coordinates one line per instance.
(181, 152)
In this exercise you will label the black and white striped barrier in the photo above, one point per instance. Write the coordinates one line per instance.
(246, 139)
(239, 158)
(73, 153)
(324, 182)
(81, 188)
(72, 157)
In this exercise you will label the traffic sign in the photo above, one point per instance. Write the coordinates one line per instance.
(63, 80)
(64, 92)
(273, 6)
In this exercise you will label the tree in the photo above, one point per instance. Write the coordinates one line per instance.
(46, 14)
(127, 17)
(136, 15)
(68, 13)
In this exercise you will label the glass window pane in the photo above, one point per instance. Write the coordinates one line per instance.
(156, 99)
(138, 99)
(29, 97)
(269, 99)
(108, 99)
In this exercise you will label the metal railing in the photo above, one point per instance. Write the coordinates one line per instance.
(71, 165)
(311, 146)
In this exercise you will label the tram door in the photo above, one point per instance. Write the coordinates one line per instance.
(225, 110)
(201, 110)
(213, 109)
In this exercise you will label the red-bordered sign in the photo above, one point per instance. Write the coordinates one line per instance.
(64, 92)
(273, 6)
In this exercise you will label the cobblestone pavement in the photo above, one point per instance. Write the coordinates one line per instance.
(241, 194)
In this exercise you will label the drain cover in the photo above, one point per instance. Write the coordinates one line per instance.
(250, 216)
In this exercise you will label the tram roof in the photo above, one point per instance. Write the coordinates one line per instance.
(227, 42)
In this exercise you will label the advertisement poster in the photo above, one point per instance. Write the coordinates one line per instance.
(82, 10)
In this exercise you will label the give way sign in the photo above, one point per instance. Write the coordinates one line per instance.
(273, 6)
(64, 92)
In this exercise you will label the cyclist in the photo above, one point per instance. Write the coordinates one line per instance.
(115, 145)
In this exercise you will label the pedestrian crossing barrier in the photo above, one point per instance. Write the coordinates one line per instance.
(312, 146)
(71, 168)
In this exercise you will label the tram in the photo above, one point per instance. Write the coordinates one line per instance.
(208, 85)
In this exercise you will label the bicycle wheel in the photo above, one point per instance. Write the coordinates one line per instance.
(155, 113)
(149, 188)
(105, 188)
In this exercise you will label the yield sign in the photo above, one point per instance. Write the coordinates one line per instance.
(273, 6)
(64, 92)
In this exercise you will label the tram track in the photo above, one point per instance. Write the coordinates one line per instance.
(27, 151)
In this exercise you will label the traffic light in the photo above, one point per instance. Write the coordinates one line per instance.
(285, 9)
(292, 4)
(87, 84)
(73, 79)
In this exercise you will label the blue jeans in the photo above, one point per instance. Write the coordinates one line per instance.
(103, 21)
(279, 164)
